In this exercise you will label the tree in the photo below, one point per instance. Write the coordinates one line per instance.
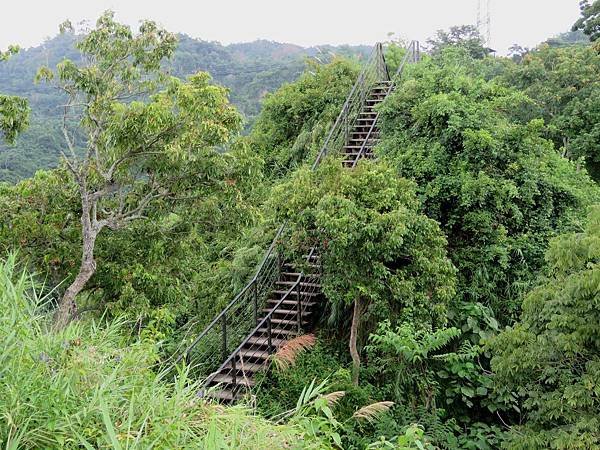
(465, 36)
(564, 83)
(589, 21)
(145, 132)
(14, 111)
(517, 53)
(551, 358)
(380, 255)
(497, 187)
(294, 119)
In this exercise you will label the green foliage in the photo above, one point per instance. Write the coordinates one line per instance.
(293, 121)
(413, 438)
(14, 111)
(589, 21)
(39, 220)
(564, 82)
(551, 357)
(84, 386)
(190, 258)
(147, 135)
(374, 243)
(249, 71)
(498, 189)
(436, 374)
(466, 37)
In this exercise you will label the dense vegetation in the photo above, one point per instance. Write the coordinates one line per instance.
(460, 267)
(249, 70)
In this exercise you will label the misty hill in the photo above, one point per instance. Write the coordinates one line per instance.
(250, 70)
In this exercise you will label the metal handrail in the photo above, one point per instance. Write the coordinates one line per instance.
(245, 289)
(263, 322)
(412, 50)
(373, 57)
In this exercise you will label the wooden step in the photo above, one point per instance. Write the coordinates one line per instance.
(263, 341)
(256, 354)
(297, 274)
(302, 283)
(310, 294)
(278, 331)
(245, 367)
(222, 394)
(359, 144)
(291, 312)
(356, 135)
(292, 302)
(307, 264)
(240, 380)
(289, 322)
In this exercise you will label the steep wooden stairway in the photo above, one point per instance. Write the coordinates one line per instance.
(365, 133)
(282, 299)
(288, 311)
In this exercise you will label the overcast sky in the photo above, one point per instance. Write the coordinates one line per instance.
(304, 22)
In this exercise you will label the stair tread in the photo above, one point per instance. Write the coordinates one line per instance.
(285, 321)
(302, 283)
(246, 367)
(277, 331)
(292, 302)
(252, 353)
(228, 379)
(258, 340)
(310, 294)
(223, 394)
(286, 311)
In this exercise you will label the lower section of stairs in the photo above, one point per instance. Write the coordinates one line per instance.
(287, 314)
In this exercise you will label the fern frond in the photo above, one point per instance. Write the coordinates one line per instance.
(370, 412)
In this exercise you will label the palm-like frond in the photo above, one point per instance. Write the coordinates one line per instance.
(288, 352)
(370, 412)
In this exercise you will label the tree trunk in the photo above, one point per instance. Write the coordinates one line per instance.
(353, 338)
(67, 307)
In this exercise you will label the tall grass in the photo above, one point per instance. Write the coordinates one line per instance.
(87, 387)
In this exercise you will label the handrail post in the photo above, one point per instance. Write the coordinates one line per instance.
(299, 307)
(346, 125)
(233, 370)
(269, 336)
(380, 68)
(224, 335)
(255, 295)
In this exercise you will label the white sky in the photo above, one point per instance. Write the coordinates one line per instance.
(303, 22)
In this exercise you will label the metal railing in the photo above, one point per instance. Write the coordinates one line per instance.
(413, 54)
(302, 291)
(237, 318)
(374, 71)
(233, 326)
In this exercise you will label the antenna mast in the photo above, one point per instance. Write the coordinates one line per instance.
(484, 21)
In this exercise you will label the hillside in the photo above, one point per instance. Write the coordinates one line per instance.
(401, 252)
(250, 70)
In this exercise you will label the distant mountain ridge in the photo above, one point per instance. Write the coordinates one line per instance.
(249, 70)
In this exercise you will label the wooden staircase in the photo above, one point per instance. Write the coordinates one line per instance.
(289, 309)
(364, 135)
(296, 294)
(282, 299)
